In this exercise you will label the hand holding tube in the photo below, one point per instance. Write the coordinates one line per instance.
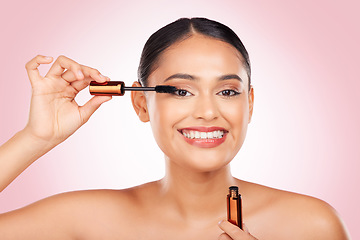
(54, 114)
(234, 207)
(233, 232)
(233, 227)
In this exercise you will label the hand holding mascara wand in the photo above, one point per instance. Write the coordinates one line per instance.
(118, 88)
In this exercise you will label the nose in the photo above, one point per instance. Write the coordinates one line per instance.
(206, 108)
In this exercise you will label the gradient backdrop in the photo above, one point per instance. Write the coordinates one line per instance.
(304, 136)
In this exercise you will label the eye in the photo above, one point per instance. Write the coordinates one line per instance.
(182, 93)
(228, 93)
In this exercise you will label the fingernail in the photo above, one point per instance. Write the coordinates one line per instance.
(102, 76)
(48, 58)
(220, 222)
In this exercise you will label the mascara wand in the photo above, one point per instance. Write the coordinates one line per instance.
(118, 88)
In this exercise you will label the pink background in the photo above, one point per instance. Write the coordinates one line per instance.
(304, 136)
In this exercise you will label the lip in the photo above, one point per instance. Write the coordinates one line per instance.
(204, 129)
(204, 143)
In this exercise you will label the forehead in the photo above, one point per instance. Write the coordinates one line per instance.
(201, 56)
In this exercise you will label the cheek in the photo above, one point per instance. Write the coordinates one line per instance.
(236, 114)
(235, 111)
(165, 113)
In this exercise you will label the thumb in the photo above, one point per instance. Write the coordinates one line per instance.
(91, 106)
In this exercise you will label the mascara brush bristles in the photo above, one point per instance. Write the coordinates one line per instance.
(165, 89)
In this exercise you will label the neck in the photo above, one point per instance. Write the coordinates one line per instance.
(196, 195)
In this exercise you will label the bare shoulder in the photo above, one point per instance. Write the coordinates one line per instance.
(88, 214)
(292, 214)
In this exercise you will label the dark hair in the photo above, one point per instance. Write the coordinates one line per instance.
(179, 30)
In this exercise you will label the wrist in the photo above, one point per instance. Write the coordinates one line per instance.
(33, 143)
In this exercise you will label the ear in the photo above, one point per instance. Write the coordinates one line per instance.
(139, 103)
(251, 102)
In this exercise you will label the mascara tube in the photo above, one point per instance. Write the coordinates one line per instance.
(234, 206)
(118, 88)
(107, 88)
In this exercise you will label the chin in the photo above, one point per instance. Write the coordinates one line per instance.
(203, 162)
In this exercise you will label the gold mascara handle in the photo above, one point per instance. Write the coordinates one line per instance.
(107, 88)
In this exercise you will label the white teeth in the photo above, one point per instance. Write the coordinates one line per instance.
(203, 135)
(197, 135)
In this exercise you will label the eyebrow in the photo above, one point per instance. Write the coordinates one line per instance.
(230, 76)
(190, 77)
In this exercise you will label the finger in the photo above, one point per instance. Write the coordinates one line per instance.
(90, 75)
(33, 64)
(88, 72)
(81, 84)
(69, 76)
(90, 107)
(94, 74)
(224, 236)
(235, 232)
(230, 229)
(61, 64)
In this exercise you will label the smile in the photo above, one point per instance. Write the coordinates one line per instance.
(202, 135)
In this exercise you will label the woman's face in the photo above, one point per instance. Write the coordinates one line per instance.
(202, 126)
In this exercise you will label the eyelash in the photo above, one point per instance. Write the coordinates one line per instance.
(232, 93)
(177, 92)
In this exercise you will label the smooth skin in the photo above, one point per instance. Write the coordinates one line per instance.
(190, 201)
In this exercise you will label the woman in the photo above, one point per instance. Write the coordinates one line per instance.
(200, 128)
